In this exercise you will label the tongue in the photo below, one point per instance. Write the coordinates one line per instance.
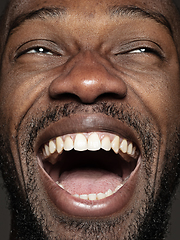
(87, 181)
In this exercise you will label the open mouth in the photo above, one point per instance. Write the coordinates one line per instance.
(89, 166)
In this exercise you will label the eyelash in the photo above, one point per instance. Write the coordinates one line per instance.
(37, 50)
(141, 50)
(46, 51)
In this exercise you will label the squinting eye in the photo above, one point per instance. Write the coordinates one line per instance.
(144, 50)
(40, 50)
(141, 50)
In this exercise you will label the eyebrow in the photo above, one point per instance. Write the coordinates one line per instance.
(42, 13)
(115, 11)
(133, 11)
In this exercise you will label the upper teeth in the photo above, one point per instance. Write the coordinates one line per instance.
(91, 141)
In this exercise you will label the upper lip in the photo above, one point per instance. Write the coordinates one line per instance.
(86, 123)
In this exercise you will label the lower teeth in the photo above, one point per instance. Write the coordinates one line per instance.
(94, 196)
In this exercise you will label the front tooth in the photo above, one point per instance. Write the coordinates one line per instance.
(108, 193)
(84, 196)
(47, 150)
(100, 196)
(129, 150)
(68, 144)
(92, 196)
(59, 144)
(94, 143)
(115, 144)
(80, 143)
(52, 147)
(123, 146)
(106, 144)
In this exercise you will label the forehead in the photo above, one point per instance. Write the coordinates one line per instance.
(82, 7)
(93, 12)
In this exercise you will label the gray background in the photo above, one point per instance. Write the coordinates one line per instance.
(5, 215)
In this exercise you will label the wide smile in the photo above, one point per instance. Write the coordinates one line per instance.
(89, 174)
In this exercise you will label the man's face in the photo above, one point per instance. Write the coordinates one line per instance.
(90, 108)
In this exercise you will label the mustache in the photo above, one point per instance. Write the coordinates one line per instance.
(142, 125)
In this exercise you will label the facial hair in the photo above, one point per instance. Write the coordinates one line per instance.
(150, 223)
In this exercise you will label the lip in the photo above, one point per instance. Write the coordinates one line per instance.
(77, 207)
(85, 123)
(64, 201)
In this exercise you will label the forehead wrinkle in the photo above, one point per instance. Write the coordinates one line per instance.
(42, 13)
(133, 11)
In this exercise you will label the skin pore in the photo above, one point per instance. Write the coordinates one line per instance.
(108, 67)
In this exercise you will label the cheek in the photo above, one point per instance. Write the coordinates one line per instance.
(18, 93)
(160, 95)
(23, 84)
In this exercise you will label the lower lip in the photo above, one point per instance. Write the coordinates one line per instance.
(74, 206)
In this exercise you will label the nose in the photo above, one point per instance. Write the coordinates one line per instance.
(88, 76)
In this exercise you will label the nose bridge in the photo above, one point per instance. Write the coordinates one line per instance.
(86, 57)
(88, 76)
(89, 71)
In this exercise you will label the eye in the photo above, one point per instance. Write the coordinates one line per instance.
(39, 50)
(141, 50)
(144, 50)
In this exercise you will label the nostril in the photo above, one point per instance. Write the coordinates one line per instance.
(74, 97)
(66, 97)
(87, 91)
(110, 95)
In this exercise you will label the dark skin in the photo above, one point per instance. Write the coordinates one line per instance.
(80, 67)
